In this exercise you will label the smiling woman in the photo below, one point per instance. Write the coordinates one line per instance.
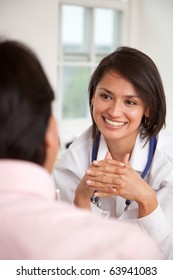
(118, 111)
(131, 166)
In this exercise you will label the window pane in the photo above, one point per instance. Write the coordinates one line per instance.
(75, 34)
(75, 87)
(107, 30)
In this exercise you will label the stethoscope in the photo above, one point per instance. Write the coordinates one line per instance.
(152, 147)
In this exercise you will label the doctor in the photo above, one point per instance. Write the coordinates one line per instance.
(122, 165)
(33, 224)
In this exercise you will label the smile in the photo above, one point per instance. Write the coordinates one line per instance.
(117, 124)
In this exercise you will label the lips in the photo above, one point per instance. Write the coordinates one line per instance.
(113, 123)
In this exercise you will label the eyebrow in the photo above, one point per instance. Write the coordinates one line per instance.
(110, 92)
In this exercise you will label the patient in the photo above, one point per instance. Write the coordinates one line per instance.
(33, 224)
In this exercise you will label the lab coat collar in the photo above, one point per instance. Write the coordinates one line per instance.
(139, 154)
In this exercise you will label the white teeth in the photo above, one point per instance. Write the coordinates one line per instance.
(114, 123)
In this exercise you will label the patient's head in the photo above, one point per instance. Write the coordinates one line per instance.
(27, 127)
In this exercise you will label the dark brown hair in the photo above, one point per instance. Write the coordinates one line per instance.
(140, 70)
(25, 103)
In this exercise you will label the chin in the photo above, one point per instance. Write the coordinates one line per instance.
(111, 135)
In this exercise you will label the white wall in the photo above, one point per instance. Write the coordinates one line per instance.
(152, 22)
(34, 22)
(150, 29)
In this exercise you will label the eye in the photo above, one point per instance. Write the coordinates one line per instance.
(105, 96)
(130, 102)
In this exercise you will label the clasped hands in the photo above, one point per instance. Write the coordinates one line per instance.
(109, 177)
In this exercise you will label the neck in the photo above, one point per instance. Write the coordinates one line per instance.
(119, 148)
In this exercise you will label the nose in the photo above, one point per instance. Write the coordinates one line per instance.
(115, 109)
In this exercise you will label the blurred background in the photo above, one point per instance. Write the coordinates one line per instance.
(70, 37)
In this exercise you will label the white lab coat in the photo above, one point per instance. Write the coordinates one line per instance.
(159, 224)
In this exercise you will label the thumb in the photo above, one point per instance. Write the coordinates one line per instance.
(108, 155)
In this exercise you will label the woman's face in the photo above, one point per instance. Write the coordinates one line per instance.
(117, 108)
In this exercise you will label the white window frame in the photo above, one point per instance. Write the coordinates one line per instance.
(66, 126)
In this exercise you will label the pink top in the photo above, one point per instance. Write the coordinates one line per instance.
(34, 225)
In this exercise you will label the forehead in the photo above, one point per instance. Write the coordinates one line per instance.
(111, 76)
(114, 82)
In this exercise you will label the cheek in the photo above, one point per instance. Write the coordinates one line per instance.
(99, 106)
(136, 115)
(98, 112)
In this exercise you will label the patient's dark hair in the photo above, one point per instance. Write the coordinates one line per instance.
(25, 103)
(140, 70)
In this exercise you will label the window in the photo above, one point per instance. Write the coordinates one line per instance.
(88, 31)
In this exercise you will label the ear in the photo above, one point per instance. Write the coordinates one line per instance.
(50, 132)
(146, 114)
(52, 144)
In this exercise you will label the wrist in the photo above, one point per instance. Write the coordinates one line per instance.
(82, 199)
(148, 204)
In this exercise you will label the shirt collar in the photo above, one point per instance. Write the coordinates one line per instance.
(25, 177)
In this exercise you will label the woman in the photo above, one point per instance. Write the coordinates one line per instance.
(126, 157)
(33, 224)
